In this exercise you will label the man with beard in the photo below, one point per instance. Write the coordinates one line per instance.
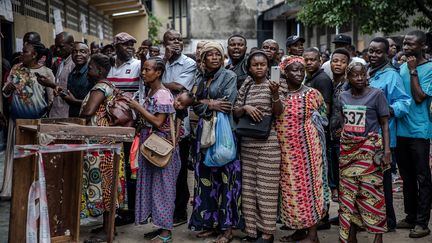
(294, 45)
(125, 75)
(382, 75)
(64, 45)
(237, 46)
(78, 85)
(414, 132)
(178, 76)
(271, 49)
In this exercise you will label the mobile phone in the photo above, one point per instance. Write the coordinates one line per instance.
(63, 93)
(37, 74)
(275, 74)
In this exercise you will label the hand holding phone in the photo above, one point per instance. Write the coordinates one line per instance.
(275, 74)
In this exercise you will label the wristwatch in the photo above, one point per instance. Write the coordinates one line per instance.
(413, 72)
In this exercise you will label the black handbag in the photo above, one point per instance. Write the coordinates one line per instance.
(247, 127)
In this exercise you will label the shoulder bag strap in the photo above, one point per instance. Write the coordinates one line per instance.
(246, 92)
(172, 129)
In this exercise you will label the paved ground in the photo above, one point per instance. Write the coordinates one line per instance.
(132, 233)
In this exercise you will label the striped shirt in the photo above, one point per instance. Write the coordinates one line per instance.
(126, 76)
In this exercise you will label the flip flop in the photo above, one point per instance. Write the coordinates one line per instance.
(223, 239)
(207, 233)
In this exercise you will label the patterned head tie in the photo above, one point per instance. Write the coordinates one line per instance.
(290, 60)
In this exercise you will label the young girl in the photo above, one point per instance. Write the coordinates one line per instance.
(156, 187)
(364, 156)
(259, 97)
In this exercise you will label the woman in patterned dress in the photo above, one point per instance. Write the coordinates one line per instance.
(156, 187)
(301, 183)
(260, 158)
(216, 206)
(365, 155)
(97, 174)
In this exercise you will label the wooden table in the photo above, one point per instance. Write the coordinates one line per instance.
(63, 172)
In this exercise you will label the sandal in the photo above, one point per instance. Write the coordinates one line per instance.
(222, 238)
(162, 239)
(152, 234)
(207, 233)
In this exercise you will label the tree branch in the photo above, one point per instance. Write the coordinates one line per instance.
(422, 7)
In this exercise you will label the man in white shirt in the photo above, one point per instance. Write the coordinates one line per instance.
(64, 45)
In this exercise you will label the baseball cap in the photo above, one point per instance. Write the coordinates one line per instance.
(123, 37)
(342, 39)
(293, 39)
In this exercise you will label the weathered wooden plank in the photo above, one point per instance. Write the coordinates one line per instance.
(67, 132)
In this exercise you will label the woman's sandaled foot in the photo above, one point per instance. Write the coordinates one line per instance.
(152, 234)
(224, 238)
(207, 233)
(162, 239)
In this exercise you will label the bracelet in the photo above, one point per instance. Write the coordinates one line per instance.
(274, 101)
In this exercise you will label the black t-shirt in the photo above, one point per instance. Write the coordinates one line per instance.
(323, 83)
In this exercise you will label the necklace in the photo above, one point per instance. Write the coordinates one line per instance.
(294, 91)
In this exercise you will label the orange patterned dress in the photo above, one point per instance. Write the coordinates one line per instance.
(301, 183)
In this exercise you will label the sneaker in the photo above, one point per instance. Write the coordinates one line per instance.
(404, 224)
(179, 221)
(419, 232)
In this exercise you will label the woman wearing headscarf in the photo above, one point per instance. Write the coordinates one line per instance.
(28, 98)
(304, 189)
(216, 205)
(259, 97)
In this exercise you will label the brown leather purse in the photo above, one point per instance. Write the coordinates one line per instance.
(158, 150)
(118, 111)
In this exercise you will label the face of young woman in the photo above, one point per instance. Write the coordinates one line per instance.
(258, 67)
(149, 72)
(295, 73)
(213, 60)
(357, 78)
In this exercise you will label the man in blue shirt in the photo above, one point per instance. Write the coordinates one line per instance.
(414, 132)
(383, 76)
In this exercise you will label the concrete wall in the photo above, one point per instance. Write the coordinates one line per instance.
(280, 33)
(219, 21)
(136, 26)
(24, 24)
(161, 11)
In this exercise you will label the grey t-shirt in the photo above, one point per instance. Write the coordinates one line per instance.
(361, 113)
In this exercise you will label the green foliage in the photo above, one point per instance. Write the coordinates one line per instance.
(153, 29)
(370, 15)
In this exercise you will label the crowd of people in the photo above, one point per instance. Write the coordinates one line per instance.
(334, 127)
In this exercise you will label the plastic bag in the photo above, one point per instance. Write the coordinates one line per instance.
(224, 150)
(133, 157)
